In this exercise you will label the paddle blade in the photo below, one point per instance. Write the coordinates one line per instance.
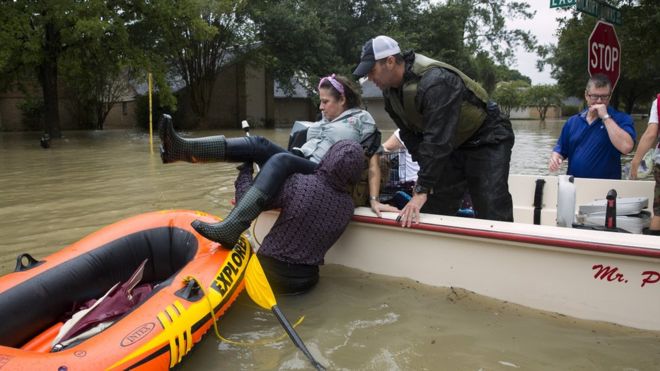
(257, 285)
(295, 338)
(260, 292)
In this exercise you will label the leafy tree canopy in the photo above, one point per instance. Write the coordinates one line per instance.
(640, 56)
(542, 97)
(89, 44)
(510, 95)
(318, 37)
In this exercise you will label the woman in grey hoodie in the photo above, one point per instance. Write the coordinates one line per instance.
(342, 119)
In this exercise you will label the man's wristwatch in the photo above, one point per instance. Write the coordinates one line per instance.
(420, 189)
(607, 115)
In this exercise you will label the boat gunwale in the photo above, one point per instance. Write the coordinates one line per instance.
(521, 238)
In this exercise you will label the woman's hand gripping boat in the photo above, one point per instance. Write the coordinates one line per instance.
(194, 282)
(585, 273)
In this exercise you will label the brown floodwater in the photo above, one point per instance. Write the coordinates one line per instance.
(50, 198)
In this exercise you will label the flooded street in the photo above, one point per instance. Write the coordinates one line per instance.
(50, 198)
(360, 321)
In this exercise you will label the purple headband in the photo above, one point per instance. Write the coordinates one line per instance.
(333, 81)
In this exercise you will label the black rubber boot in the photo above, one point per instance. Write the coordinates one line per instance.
(175, 148)
(228, 231)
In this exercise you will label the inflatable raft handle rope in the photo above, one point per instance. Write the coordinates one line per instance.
(191, 280)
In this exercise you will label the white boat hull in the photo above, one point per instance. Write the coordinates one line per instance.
(595, 275)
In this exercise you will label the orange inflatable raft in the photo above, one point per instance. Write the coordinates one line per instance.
(195, 281)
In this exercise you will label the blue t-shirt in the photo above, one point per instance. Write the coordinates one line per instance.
(588, 148)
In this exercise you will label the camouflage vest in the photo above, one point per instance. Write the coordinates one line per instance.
(471, 116)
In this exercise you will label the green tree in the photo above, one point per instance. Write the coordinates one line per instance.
(485, 71)
(310, 39)
(97, 70)
(89, 45)
(458, 28)
(61, 45)
(189, 40)
(317, 37)
(640, 58)
(510, 95)
(503, 73)
(471, 35)
(542, 97)
(569, 58)
(294, 40)
(35, 36)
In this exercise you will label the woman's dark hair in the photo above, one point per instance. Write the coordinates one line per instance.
(352, 91)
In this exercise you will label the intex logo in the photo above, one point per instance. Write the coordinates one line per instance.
(137, 334)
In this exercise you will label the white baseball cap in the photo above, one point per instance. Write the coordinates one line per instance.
(377, 48)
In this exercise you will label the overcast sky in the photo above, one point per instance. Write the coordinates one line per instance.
(544, 27)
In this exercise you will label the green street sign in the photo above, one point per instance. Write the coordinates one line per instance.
(561, 3)
(600, 9)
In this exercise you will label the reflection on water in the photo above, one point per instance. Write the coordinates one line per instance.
(353, 320)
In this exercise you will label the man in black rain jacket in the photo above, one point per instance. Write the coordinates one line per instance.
(459, 138)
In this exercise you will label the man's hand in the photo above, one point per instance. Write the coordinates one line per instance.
(555, 161)
(377, 207)
(410, 213)
(633, 169)
(598, 109)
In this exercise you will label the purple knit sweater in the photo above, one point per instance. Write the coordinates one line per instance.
(315, 208)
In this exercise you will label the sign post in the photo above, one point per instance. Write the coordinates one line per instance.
(604, 52)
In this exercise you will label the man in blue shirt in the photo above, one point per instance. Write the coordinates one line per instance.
(592, 141)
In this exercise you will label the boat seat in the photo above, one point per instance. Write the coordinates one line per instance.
(54, 292)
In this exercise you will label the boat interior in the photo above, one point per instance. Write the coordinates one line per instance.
(37, 303)
(523, 190)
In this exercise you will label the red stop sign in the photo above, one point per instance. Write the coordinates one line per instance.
(604, 52)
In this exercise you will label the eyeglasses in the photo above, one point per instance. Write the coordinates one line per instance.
(333, 81)
(597, 97)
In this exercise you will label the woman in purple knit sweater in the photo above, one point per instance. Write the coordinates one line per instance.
(315, 210)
